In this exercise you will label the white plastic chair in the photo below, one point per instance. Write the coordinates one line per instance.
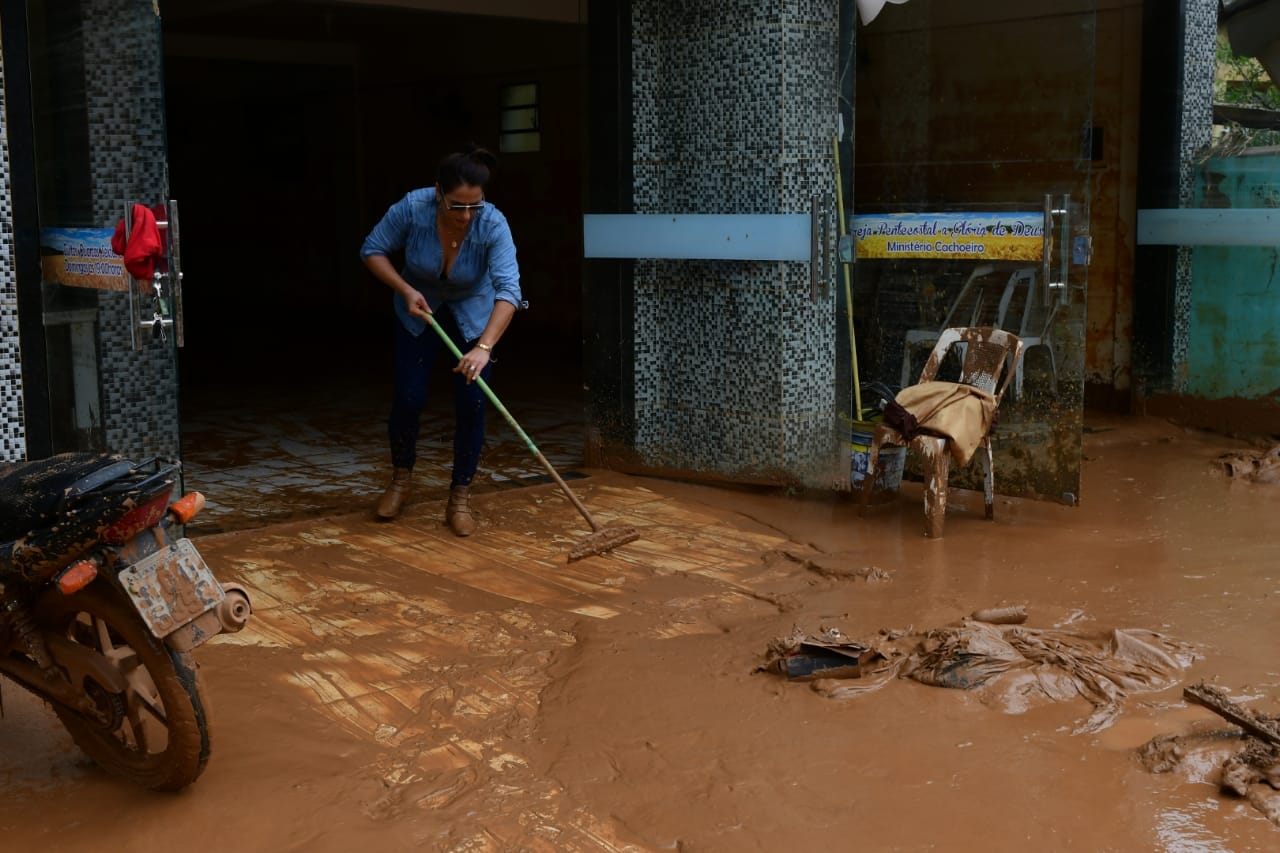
(988, 354)
(1032, 320)
(966, 309)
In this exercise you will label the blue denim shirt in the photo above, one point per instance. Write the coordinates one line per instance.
(484, 271)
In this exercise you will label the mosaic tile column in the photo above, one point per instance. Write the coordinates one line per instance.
(13, 445)
(1200, 51)
(734, 112)
(125, 93)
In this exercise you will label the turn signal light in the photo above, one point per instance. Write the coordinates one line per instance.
(188, 506)
(77, 576)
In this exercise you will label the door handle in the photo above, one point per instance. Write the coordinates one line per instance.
(175, 271)
(166, 310)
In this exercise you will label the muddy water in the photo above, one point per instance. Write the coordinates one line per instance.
(631, 718)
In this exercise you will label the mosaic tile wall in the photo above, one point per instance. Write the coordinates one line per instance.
(13, 446)
(126, 126)
(1200, 28)
(734, 112)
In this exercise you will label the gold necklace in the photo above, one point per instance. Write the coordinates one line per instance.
(453, 241)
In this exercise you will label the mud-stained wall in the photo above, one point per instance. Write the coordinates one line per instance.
(13, 446)
(1109, 331)
(1234, 341)
(1108, 362)
(734, 112)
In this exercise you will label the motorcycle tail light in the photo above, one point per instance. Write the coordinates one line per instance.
(187, 506)
(136, 520)
(77, 576)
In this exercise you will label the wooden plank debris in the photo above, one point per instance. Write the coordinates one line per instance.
(1219, 703)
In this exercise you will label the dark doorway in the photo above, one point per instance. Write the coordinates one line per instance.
(292, 127)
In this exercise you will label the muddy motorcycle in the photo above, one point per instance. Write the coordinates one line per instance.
(101, 605)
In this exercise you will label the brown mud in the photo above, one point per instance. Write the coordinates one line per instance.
(400, 689)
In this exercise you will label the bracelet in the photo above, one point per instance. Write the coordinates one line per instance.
(485, 347)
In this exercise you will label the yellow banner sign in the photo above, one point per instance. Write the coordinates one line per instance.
(950, 236)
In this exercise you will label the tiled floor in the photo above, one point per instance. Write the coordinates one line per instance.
(264, 455)
(428, 646)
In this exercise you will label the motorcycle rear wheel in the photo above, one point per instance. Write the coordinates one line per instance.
(156, 731)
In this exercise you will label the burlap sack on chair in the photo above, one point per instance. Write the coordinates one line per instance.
(959, 412)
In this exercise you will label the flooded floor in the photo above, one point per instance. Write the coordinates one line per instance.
(263, 456)
(402, 689)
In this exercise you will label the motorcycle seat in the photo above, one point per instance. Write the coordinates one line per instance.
(31, 492)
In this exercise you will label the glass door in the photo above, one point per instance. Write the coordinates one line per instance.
(110, 281)
(974, 147)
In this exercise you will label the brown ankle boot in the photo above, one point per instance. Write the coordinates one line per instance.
(458, 512)
(397, 492)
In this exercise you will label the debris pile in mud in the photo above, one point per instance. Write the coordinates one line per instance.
(1248, 763)
(1256, 466)
(828, 654)
(1012, 663)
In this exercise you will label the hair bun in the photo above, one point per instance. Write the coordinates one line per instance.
(470, 165)
(483, 156)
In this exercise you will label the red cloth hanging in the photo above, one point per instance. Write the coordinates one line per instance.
(143, 247)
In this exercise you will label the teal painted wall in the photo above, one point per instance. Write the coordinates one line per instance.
(1233, 347)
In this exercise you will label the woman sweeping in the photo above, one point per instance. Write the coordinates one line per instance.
(460, 267)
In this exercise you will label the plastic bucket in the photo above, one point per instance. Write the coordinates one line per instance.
(890, 461)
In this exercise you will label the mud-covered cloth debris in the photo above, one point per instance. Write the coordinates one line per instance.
(1258, 466)
(1102, 666)
(1248, 762)
(827, 654)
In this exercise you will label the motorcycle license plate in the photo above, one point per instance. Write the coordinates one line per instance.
(172, 587)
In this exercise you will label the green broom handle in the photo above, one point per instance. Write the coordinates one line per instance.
(848, 292)
(493, 398)
(484, 386)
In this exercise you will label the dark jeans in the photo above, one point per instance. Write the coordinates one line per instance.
(414, 360)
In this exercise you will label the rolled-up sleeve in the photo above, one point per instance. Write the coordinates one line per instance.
(392, 233)
(504, 272)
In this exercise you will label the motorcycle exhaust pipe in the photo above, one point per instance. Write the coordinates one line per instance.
(231, 615)
(234, 610)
